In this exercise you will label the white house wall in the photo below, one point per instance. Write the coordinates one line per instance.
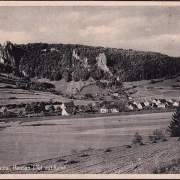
(64, 113)
(104, 111)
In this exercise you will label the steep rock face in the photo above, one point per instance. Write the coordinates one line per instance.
(102, 63)
(11, 54)
(7, 53)
(74, 54)
(83, 60)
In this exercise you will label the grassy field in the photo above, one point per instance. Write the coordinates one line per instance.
(145, 90)
(39, 140)
(137, 90)
(17, 96)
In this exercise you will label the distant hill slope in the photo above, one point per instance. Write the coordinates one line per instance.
(79, 62)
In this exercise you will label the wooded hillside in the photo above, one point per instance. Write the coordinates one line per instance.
(57, 61)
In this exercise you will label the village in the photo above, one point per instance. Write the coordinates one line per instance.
(70, 109)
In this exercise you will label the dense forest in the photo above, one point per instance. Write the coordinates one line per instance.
(56, 61)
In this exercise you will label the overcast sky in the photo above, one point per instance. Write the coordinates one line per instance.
(139, 28)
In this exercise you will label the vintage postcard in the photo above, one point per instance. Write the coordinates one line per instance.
(89, 89)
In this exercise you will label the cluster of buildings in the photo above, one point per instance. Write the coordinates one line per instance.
(140, 104)
(69, 108)
(152, 103)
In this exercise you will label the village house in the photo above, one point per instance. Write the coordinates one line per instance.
(176, 104)
(113, 109)
(109, 108)
(154, 101)
(158, 101)
(68, 108)
(104, 109)
(168, 104)
(147, 103)
(135, 103)
(171, 100)
(140, 105)
(130, 106)
(154, 105)
(161, 103)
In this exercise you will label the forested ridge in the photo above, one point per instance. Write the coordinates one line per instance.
(75, 62)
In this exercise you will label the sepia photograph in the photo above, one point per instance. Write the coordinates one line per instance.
(90, 88)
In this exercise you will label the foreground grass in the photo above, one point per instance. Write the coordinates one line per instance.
(172, 167)
(149, 158)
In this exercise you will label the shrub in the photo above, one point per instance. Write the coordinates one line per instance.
(137, 139)
(128, 146)
(28, 108)
(12, 98)
(156, 136)
(20, 113)
(60, 160)
(108, 150)
(71, 162)
(174, 127)
(152, 81)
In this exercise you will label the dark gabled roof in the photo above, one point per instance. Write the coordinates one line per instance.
(69, 110)
(69, 104)
(142, 104)
(162, 100)
(130, 103)
(134, 105)
(169, 103)
(105, 106)
(109, 106)
(113, 106)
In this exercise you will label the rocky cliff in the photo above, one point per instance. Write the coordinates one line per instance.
(102, 63)
(11, 54)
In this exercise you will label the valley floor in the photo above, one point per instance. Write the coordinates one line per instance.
(99, 145)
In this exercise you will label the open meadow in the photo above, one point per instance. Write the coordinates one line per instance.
(18, 96)
(39, 140)
(163, 88)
